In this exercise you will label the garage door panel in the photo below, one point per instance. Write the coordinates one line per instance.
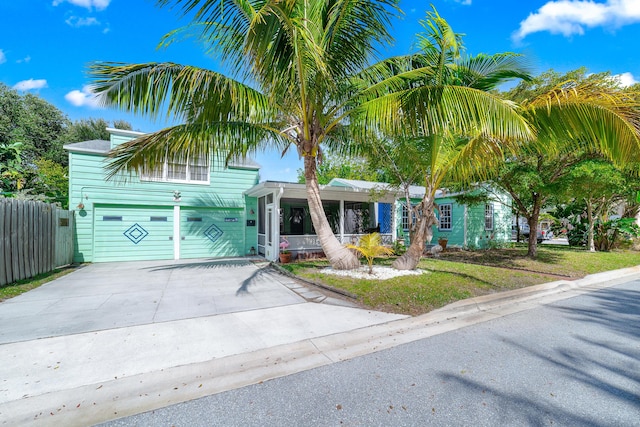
(128, 234)
(211, 233)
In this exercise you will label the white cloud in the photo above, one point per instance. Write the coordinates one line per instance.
(626, 79)
(88, 4)
(30, 84)
(568, 17)
(25, 59)
(84, 98)
(77, 22)
(3, 57)
(464, 2)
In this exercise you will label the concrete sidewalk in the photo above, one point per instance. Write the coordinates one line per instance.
(89, 377)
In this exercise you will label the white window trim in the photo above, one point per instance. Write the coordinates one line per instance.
(405, 216)
(440, 228)
(489, 205)
(165, 171)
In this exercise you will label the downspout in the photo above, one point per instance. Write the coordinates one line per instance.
(342, 221)
(464, 243)
(276, 224)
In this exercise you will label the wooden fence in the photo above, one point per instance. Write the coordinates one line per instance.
(36, 238)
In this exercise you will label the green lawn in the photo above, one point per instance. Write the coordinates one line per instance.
(14, 289)
(464, 274)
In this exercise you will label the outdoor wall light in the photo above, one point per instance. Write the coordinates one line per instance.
(252, 212)
(252, 251)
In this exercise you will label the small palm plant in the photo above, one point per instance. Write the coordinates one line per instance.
(371, 247)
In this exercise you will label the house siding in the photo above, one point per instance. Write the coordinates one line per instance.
(476, 236)
(224, 195)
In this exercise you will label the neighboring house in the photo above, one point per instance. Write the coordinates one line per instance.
(192, 210)
(472, 226)
(200, 208)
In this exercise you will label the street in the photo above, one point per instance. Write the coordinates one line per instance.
(575, 362)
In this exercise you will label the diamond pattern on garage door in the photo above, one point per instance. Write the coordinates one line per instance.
(213, 233)
(136, 233)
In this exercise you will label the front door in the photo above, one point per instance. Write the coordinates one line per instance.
(297, 221)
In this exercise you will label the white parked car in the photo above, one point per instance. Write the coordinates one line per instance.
(524, 234)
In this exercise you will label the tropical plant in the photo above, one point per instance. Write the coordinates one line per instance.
(303, 78)
(370, 247)
(12, 175)
(429, 154)
(600, 186)
(574, 120)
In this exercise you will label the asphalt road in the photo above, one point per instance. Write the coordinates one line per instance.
(572, 363)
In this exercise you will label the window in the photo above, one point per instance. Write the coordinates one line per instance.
(111, 218)
(444, 222)
(405, 217)
(158, 219)
(180, 170)
(488, 216)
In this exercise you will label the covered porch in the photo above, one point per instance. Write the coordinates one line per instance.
(283, 213)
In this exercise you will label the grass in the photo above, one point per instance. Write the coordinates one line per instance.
(21, 286)
(464, 274)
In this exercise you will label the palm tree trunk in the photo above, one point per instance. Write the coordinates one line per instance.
(340, 257)
(410, 259)
(590, 238)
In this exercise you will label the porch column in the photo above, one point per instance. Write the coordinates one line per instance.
(341, 221)
(394, 225)
(276, 222)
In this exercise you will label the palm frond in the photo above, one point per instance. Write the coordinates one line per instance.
(226, 140)
(590, 117)
(187, 93)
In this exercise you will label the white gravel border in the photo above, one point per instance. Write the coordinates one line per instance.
(379, 273)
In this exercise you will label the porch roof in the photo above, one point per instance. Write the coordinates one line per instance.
(327, 192)
(415, 191)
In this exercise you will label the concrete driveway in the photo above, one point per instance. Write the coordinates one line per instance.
(104, 334)
(116, 295)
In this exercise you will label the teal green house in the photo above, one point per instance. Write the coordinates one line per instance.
(475, 226)
(191, 210)
(202, 208)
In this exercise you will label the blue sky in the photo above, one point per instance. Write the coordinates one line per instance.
(46, 45)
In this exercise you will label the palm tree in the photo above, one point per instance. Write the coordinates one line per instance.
(574, 120)
(303, 79)
(429, 153)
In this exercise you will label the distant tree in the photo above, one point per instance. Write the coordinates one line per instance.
(85, 130)
(12, 174)
(92, 128)
(576, 116)
(335, 166)
(51, 180)
(599, 188)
